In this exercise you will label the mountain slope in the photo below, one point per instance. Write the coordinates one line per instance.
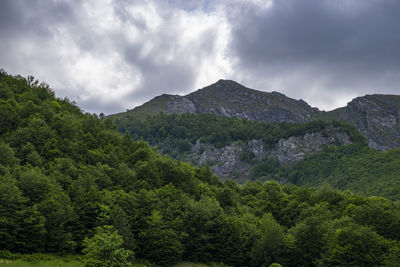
(360, 169)
(294, 150)
(230, 99)
(233, 147)
(377, 117)
(307, 154)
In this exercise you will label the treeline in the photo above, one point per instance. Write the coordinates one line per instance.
(176, 134)
(66, 176)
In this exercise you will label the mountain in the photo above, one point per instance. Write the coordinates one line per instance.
(377, 117)
(231, 99)
(310, 149)
(306, 154)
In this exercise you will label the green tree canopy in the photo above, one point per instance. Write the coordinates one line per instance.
(104, 249)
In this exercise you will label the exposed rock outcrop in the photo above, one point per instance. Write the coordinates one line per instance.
(296, 148)
(224, 162)
(227, 162)
(179, 105)
(231, 99)
(377, 117)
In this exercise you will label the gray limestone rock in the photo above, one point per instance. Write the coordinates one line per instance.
(295, 148)
(226, 162)
(377, 117)
(179, 105)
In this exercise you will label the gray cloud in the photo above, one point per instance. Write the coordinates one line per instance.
(114, 54)
(335, 47)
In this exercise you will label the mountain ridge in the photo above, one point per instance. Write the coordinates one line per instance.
(376, 116)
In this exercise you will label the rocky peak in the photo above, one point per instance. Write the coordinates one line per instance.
(229, 98)
(377, 117)
(232, 99)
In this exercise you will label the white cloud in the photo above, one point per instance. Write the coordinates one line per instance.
(113, 55)
(110, 55)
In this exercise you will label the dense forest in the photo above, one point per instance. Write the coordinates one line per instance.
(175, 134)
(356, 167)
(70, 183)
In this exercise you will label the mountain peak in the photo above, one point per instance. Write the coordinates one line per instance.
(229, 98)
(228, 83)
(376, 116)
(225, 86)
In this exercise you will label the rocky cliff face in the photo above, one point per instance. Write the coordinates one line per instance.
(228, 163)
(224, 162)
(295, 148)
(377, 117)
(179, 105)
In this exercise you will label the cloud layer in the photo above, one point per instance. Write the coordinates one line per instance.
(322, 50)
(112, 55)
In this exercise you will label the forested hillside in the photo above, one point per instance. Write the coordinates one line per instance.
(176, 134)
(357, 168)
(70, 183)
(351, 166)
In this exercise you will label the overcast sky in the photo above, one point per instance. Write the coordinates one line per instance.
(110, 55)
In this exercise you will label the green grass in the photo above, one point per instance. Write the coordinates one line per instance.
(48, 261)
(190, 264)
(73, 262)
(150, 108)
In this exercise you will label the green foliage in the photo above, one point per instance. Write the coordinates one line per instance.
(9, 117)
(355, 246)
(65, 174)
(269, 243)
(104, 249)
(7, 155)
(161, 244)
(175, 134)
(38, 259)
(35, 185)
(357, 168)
(307, 239)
